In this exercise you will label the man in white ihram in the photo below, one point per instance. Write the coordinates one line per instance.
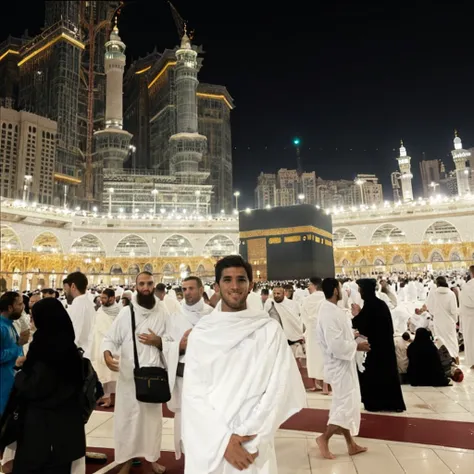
(335, 334)
(137, 425)
(309, 316)
(287, 313)
(179, 326)
(467, 319)
(241, 383)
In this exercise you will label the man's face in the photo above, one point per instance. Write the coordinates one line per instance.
(34, 299)
(339, 292)
(106, 301)
(16, 309)
(234, 288)
(264, 297)
(278, 295)
(145, 284)
(311, 288)
(68, 293)
(192, 293)
(289, 293)
(160, 294)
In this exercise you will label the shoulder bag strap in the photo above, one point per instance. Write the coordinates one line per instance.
(135, 352)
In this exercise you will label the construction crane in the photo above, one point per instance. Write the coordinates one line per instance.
(179, 22)
(91, 28)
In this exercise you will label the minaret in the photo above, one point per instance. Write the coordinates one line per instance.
(187, 145)
(406, 176)
(462, 173)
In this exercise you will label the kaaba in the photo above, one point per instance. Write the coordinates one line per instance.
(287, 243)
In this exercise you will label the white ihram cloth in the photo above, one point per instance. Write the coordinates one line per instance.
(254, 301)
(137, 425)
(314, 354)
(82, 314)
(336, 337)
(104, 318)
(240, 378)
(442, 304)
(172, 304)
(467, 321)
(176, 326)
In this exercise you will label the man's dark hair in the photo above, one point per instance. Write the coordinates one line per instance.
(288, 287)
(441, 282)
(317, 282)
(78, 279)
(328, 286)
(233, 261)
(109, 292)
(48, 291)
(406, 336)
(196, 279)
(8, 299)
(265, 291)
(161, 287)
(143, 273)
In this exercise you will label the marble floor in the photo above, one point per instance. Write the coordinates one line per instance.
(297, 453)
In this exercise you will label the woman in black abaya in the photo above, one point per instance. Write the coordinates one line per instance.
(379, 383)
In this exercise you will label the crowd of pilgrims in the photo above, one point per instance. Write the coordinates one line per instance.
(244, 346)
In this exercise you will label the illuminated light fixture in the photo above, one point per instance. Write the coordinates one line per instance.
(296, 141)
(141, 71)
(215, 96)
(62, 36)
(7, 52)
(166, 66)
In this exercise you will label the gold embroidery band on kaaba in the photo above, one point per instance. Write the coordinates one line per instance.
(306, 229)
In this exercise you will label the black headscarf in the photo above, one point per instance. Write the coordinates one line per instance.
(424, 366)
(367, 288)
(53, 342)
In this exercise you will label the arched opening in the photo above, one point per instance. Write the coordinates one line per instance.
(176, 246)
(46, 242)
(219, 246)
(132, 246)
(436, 257)
(344, 238)
(133, 269)
(442, 232)
(9, 239)
(116, 270)
(388, 234)
(89, 245)
(168, 272)
(148, 267)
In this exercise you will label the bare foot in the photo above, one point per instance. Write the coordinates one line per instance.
(356, 449)
(158, 468)
(105, 402)
(324, 448)
(125, 468)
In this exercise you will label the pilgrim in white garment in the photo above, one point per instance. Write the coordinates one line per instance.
(178, 327)
(286, 312)
(137, 425)
(241, 383)
(81, 311)
(442, 304)
(309, 315)
(254, 301)
(467, 319)
(104, 318)
(411, 292)
(172, 305)
(336, 337)
(354, 296)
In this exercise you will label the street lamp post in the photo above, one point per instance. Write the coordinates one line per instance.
(236, 195)
(65, 196)
(360, 183)
(26, 187)
(198, 194)
(155, 194)
(111, 191)
(434, 186)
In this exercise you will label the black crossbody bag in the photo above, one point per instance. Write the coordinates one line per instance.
(151, 383)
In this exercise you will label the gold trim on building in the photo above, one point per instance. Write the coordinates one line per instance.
(68, 179)
(285, 231)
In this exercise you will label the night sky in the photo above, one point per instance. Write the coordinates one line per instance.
(350, 79)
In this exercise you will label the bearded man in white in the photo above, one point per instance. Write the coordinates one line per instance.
(337, 339)
(241, 383)
(287, 313)
(179, 326)
(104, 318)
(137, 425)
(309, 315)
(467, 319)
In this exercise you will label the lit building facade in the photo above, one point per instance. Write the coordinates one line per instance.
(27, 154)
